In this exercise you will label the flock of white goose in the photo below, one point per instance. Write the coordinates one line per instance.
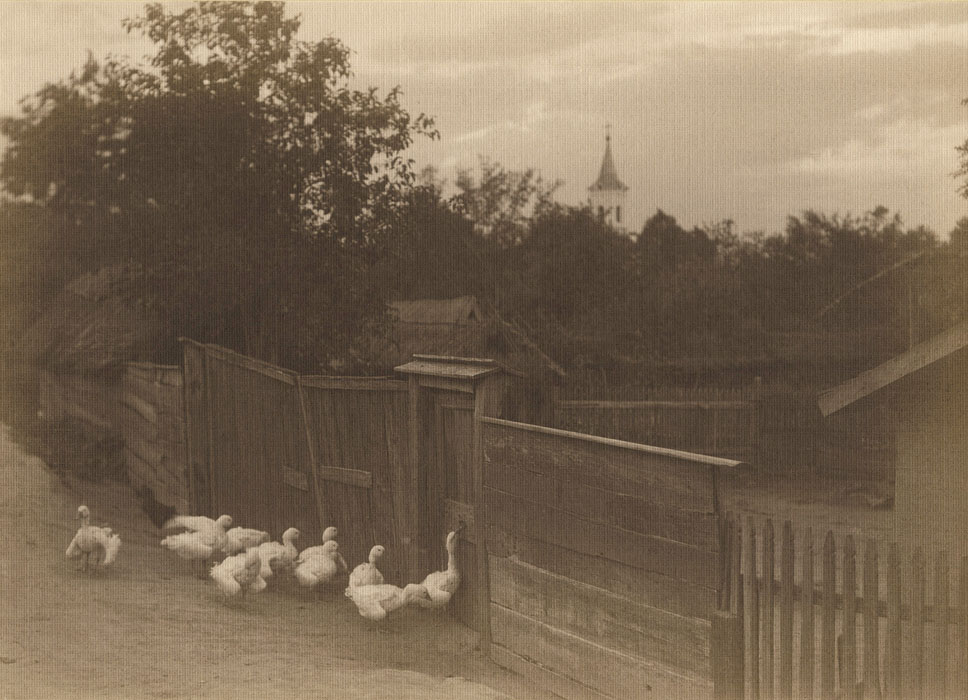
(251, 560)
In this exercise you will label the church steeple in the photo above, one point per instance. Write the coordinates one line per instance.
(607, 193)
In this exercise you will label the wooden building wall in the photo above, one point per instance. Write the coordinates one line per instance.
(153, 427)
(931, 485)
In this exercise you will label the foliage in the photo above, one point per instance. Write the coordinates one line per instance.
(502, 202)
(251, 183)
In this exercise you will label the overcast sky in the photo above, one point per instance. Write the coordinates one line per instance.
(749, 111)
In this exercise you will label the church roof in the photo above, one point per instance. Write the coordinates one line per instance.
(607, 176)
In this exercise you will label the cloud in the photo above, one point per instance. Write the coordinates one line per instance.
(902, 146)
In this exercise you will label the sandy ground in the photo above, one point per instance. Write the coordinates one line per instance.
(146, 628)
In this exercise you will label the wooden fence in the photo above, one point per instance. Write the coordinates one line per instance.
(589, 564)
(724, 428)
(875, 635)
(153, 427)
(276, 450)
(604, 559)
(357, 430)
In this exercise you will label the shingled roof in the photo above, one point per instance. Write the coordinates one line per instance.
(459, 310)
(608, 175)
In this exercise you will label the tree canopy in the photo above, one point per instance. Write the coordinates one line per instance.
(249, 183)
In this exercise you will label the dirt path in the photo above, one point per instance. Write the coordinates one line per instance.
(147, 629)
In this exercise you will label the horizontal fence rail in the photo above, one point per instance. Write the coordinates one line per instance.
(844, 620)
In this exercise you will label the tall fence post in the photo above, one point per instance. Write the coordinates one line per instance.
(726, 656)
(751, 612)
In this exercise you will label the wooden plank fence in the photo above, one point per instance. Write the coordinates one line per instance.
(725, 428)
(605, 561)
(867, 628)
(593, 565)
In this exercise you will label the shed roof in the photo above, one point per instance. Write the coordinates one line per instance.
(920, 356)
(452, 311)
(89, 328)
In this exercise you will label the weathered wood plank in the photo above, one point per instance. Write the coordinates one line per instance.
(917, 620)
(726, 656)
(786, 612)
(631, 513)
(594, 664)
(196, 426)
(767, 684)
(940, 671)
(374, 434)
(523, 483)
(806, 618)
(751, 611)
(403, 478)
(828, 618)
(353, 383)
(848, 682)
(894, 661)
(250, 363)
(688, 457)
(140, 406)
(543, 678)
(661, 591)
(607, 508)
(351, 477)
(656, 476)
(627, 405)
(313, 481)
(872, 647)
(597, 615)
(557, 527)
(963, 618)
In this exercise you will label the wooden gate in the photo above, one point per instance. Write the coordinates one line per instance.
(247, 442)
(447, 395)
(358, 437)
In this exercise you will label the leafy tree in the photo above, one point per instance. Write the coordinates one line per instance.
(962, 171)
(502, 203)
(253, 186)
(434, 252)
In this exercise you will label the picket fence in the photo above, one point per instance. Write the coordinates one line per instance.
(900, 645)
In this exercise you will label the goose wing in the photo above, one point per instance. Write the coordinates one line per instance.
(366, 575)
(188, 545)
(241, 538)
(194, 523)
(224, 576)
(74, 549)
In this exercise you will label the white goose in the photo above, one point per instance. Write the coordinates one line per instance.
(366, 574)
(328, 535)
(278, 556)
(239, 573)
(375, 602)
(91, 539)
(197, 544)
(321, 568)
(239, 539)
(196, 523)
(441, 585)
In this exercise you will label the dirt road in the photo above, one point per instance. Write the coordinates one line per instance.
(146, 628)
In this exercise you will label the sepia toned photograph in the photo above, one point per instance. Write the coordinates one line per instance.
(483, 350)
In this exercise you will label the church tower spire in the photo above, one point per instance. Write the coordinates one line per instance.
(607, 193)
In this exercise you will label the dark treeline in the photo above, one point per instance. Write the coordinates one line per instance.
(256, 200)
